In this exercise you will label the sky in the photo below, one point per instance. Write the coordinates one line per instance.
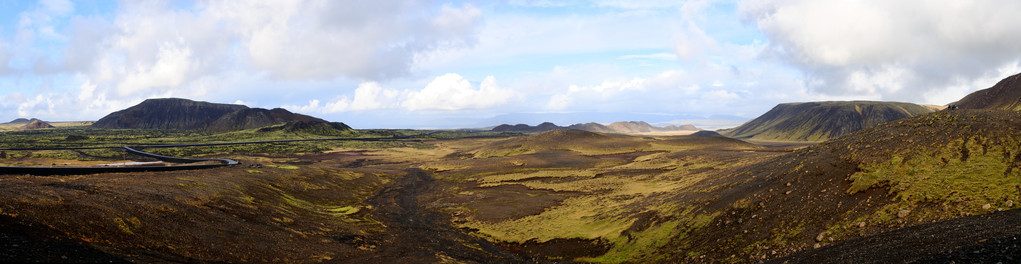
(472, 64)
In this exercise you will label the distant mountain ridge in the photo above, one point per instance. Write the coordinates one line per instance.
(819, 121)
(545, 126)
(22, 121)
(184, 114)
(1005, 95)
(629, 127)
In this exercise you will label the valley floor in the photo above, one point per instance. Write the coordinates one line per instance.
(559, 196)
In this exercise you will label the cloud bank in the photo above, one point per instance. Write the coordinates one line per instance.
(896, 50)
(153, 49)
(449, 92)
(436, 63)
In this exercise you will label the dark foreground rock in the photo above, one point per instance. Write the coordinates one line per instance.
(19, 246)
(990, 238)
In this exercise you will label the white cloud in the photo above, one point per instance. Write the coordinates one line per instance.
(453, 92)
(372, 96)
(692, 42)
(38, 104)
(352, 58)
(55, 106)
(448, 92)
(670, 81)
(375, 40)
(172, 67)
(368, 96)
(153, 49)
(895, 50)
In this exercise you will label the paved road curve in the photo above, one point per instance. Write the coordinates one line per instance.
(42, 171)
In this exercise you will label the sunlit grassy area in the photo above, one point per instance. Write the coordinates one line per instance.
(619, 188)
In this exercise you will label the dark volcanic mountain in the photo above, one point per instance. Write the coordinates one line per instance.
(257, 117)
(175, 113)
(37, 124)
(616, 127)
(818, 121)
(313, 127)
(1005, 95)
(168, 113)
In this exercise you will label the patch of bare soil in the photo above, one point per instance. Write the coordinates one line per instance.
(503, 202)
(419, 235)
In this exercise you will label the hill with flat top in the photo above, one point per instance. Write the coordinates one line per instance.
(184, 114)
(819, 121)
(168, 113)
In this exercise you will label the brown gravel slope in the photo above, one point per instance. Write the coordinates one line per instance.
(806, 199)
(1005, 95)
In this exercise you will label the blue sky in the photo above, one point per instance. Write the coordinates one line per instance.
(449, 64)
